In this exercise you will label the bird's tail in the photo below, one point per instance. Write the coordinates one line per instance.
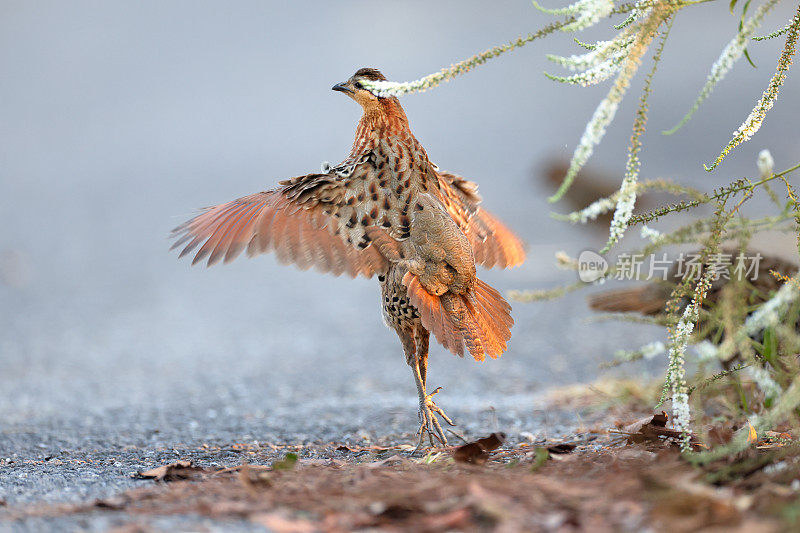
(646, 300)
(479, 319)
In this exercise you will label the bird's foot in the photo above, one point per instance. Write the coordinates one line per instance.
(430, 426)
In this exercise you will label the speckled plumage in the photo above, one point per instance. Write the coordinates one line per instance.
(386, 210)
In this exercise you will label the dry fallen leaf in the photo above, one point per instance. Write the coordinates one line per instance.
(777, 435)
(653, 429)
(752, 435)
(389, 461)
(478, 452)
(658, 420)
(172, 472)
(561, 448)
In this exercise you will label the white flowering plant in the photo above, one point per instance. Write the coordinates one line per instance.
(745, 328)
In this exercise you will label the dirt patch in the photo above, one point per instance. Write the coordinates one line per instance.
(587, 485)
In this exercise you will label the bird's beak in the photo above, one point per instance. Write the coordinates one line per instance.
(343, 88)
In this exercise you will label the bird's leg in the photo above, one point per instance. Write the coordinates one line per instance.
(409, 341)
(427, 407)
(428, 424)
(422, 352)
(422, 339)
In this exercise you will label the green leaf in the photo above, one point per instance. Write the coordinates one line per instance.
(287, 463)
(744, 12)
(770, 345)
(747, 56)
(540, 457)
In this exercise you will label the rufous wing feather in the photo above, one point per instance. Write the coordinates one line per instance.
(270, 222)
(493, 244)
(500, 248)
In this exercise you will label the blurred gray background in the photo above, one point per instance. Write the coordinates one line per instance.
(118, 119)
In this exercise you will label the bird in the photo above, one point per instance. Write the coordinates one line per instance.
(385, 211)
(733, 290)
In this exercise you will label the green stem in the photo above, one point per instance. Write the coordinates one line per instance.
(748, 185)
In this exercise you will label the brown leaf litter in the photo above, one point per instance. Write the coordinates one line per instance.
(631, 478)
(595, 486)
(653, 429)
(173, 472)
(478, 452)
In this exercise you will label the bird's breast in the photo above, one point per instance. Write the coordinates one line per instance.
(398, 312)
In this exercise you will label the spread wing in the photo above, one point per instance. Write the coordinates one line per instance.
(328, 220)
(317, 220)
(493, 244)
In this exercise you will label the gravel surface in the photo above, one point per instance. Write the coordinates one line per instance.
(120, 118)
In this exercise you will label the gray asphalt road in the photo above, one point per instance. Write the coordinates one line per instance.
(120, 118)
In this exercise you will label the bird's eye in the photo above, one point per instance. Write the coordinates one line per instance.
(358, 85)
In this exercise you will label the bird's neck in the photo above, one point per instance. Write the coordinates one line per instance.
(385, 117)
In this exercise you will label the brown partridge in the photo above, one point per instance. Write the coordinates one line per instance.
(385, 211)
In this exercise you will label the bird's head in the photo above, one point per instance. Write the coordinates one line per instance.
(355, 89)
